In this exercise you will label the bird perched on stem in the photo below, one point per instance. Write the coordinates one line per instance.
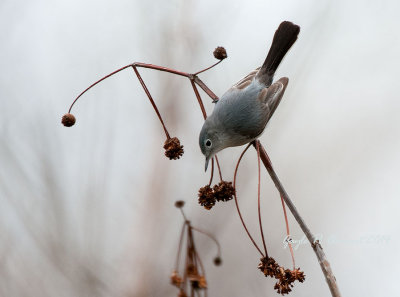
(241, 114)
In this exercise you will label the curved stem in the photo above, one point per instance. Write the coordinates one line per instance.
(215, 64)
(236, 201)
(210, 236)
(258, 199)
(100, 80)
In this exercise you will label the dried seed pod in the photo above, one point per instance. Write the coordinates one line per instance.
(68, 120)
(269, 267)
(173, 148)
(283, 287)
(217, 261)
(298, 275)
(224, 191)
(176, 280)
(179, 204)
(220, 53)
(206, 197)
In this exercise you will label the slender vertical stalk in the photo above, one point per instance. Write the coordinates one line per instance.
(259, 199)
(237, 204)
(316, 245)
(288, 233)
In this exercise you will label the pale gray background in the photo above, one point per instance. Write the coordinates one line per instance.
(88, 211)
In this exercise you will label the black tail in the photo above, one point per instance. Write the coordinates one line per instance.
(285, 36)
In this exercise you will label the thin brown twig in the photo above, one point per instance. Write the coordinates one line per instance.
(198, 72)
(288, 233)
(95, 83)
(196, 92)
(316, 245)
(259, 198)
(219, 167)
(203, 110)
(237, 204)
(180, 245)
(212, 172)
(151, 100)
(210, 236)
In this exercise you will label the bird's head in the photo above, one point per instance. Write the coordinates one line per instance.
(210, 141)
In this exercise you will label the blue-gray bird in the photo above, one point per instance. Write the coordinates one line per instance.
(241, 114)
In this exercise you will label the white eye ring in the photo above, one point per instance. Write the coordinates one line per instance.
(208, 143)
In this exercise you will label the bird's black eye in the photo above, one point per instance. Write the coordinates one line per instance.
(208, 142)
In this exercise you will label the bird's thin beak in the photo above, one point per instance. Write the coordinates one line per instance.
(207, 159)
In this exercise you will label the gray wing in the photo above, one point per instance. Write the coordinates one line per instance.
(272, 96)
(244, 82)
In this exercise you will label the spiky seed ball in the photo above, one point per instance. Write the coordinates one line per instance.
(220, 53)
(206, 197)
(217, 261)
(269, 267)
(173, 148)
(299, 275)
(68, 120)
(176, 280)
(179, 204)
(224, 191)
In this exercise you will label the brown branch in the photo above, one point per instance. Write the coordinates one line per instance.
(259, 198)
(151, 101)
(237, 204)
(323, 261)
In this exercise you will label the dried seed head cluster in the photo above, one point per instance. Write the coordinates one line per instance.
(224, 191)
(220, 53)
(208, 196)
(268, 266)
(182, 293)
(193, 279)
(179, 204)
(198, 282)
(173, 148)
(285, 277)
(217, 261)
(68, 120)
(176, 280)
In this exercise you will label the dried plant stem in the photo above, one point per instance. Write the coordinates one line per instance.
(237, 204)
(203, 110)
(323, 261)
(196, 92)
(288, 232)
(92, 85)
(210, 236)
(212, 172)
(201, 71)
(151, 100)
(259, 199)
(178, 256)
(219, 168)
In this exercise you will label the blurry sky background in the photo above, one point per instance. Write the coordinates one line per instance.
(88, 210)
